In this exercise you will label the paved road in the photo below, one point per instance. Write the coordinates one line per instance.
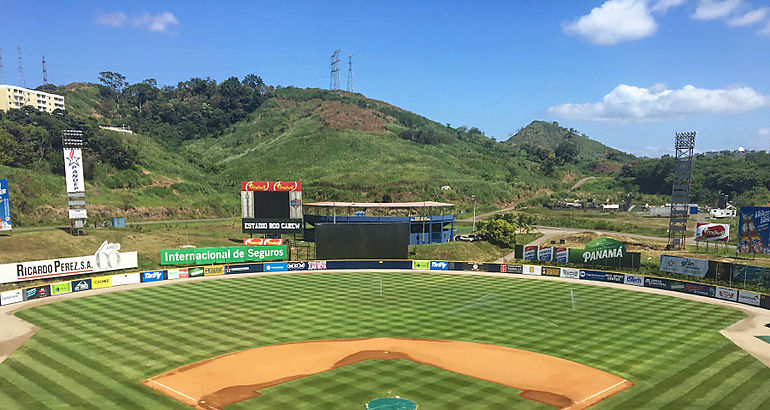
(50, 228)
(581, 182)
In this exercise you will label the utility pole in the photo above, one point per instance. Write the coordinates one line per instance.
(45, 72)
(474, 212)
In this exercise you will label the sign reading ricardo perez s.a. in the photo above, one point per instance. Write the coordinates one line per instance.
(106, 258)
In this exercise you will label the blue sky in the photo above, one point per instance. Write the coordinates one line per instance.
(628, 73)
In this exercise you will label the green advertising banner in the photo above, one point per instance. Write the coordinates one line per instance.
(606, 252)
(60, 288)
(230, 254)
(195, 272)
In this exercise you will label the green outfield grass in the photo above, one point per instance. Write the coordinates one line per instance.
(95, 351)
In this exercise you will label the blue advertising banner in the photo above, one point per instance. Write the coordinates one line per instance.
(657, 283)
(153, 276)
(694, 288)
(439, 265)
(754, 230)
(247, 268)
(614, 277)
(592, 275)
(5, 207)
(275, 267)
(80, 285)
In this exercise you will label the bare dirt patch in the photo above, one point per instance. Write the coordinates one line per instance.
(216, 382)
(341, 116)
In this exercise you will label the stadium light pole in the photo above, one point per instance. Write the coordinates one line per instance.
(474, 212)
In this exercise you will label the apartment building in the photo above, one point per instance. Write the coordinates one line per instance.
(17, 97)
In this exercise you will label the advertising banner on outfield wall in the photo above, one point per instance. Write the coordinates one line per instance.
(215, 270)
(472, 266)
(633, 280)
(126, 279)
(230, 254)
(420, 265)
(10, 297)
(693, 288)
(296, 265)
(657, 283)
(726, 294)
(275, 267)
(81, 285)
(61, 288)
(101, 282)
(439, 265)
(38, 292)
(245, 268)
(684, 266)
(181, 273)
(316, 265)
(545, 254)
(571, 273)
(749, 298)
(591, 275)
(614, 277)
(196, 272)
(550, 271)
(5, 207)
(106, 258)
(532, 270)
(153, 276)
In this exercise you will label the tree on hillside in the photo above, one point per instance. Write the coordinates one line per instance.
(142, 92)
(567, 152)
(115, 82)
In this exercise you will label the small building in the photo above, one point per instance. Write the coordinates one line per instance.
(429, 222)
(17, 97)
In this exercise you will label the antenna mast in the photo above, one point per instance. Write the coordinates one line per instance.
(334, 81)
(45, 72)
(21, 69)
(2, 72)
(350, 73)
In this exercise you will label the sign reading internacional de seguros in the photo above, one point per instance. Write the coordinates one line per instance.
(230, 254)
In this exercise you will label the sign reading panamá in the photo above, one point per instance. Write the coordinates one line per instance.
(604, 251)
(230, 254)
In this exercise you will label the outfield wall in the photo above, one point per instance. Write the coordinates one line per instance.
(82, 285)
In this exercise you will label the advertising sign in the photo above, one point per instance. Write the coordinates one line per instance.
(570, 273)
(532, 270)
(599, 251)
(38, 292)
(561, 255)
(230, 254)
(78, 213)
(592, 275)
(262, 241)
(5, 207)
(550, 271)
(317, 265)
(503, 268)
(106, 258)
(545, 254)
(61, 288)
(439, 265)
(126, 279)
(195, 272)
(216, 270)
(271, 186)
(530, 252)
(705, 231)
(81, 285)
(634, 280)
(152, 276)
(657, 283)
(249, 268)
(515, 269)
(695, 289)
(180, 273)
(101, 282)
(73, 170)
(749, 298)
(684, 266)
(420, 264)
(275, 267)
(614, 277)
(271, 225)
(726, 294)
(296, 265)
(10, 297)
(754, 230)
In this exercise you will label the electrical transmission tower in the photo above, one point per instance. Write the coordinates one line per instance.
(45, 72)
(350, 73)
(2, 72)
(684, 145)
(334, 81)
(21, 69)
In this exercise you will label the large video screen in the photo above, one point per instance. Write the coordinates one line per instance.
(362, 240)
(271, 205)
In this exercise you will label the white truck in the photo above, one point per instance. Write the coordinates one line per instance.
(718, 213)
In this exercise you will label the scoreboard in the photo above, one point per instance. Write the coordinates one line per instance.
(271, 207)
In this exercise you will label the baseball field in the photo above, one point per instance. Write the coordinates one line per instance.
(104, 351)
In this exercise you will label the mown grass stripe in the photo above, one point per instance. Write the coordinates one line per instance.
(744, 391)
(21, 397)
(710, 377)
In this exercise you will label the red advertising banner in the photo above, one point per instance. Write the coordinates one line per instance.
(262, 241)
(271, 186)
(712, 232)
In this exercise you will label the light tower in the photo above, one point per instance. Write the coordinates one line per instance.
(45, 72)
(350, 73)
(21, 69)
(334, 81)
(684, 144)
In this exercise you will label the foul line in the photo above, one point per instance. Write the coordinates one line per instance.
(608, 388)
(175, 391)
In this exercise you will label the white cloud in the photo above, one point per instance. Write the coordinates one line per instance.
(765, 31)
(628, 102)
(159, 22)
(761, 140)
(115, 19)
(714, 9)
(663, 5)
(754, 16)
(615, 21)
